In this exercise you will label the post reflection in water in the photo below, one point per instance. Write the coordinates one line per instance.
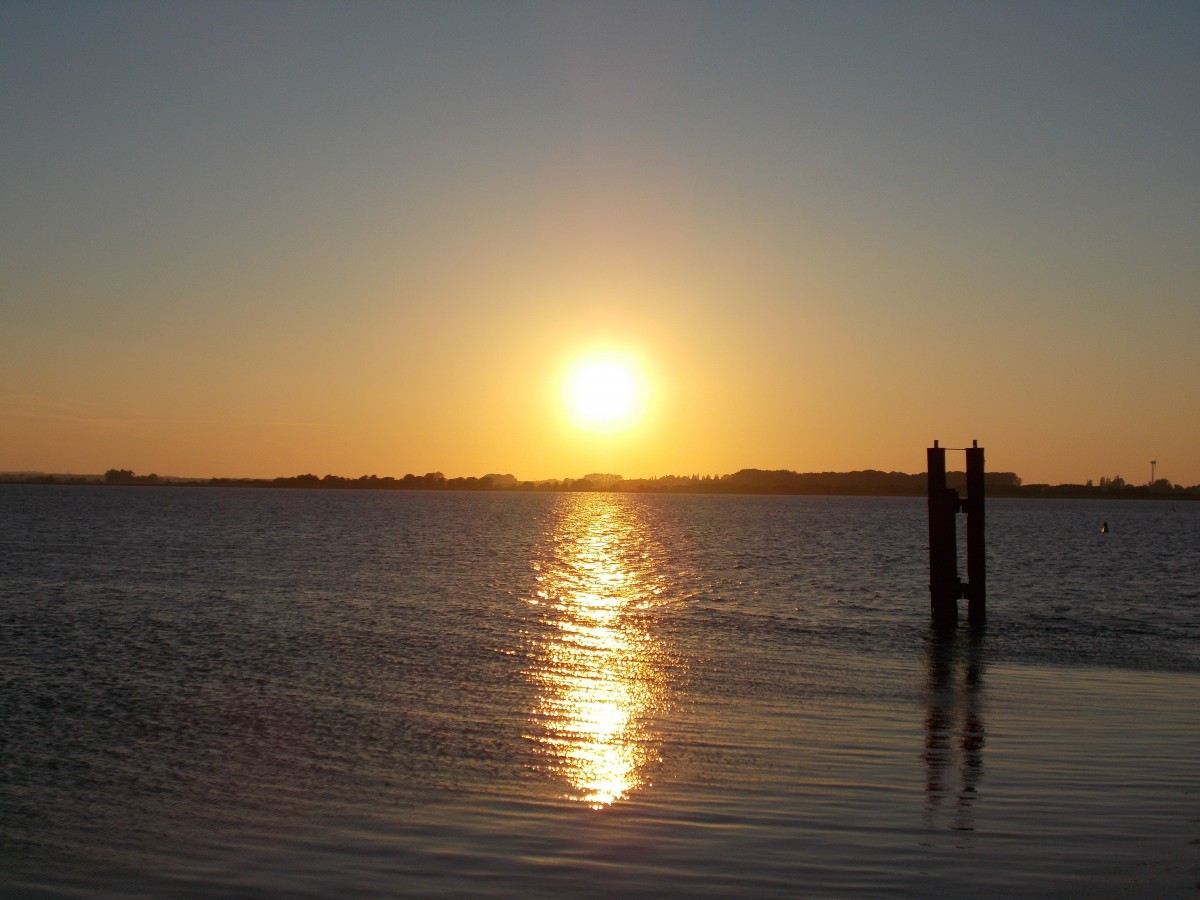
(954, 729)
(597, 665)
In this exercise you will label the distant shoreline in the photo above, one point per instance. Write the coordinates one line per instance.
(866, 483)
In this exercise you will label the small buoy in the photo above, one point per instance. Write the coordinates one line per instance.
(1104, 528)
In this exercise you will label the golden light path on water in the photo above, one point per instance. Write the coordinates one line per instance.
(596, 663)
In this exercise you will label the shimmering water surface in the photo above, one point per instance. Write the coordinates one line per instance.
(217, 692)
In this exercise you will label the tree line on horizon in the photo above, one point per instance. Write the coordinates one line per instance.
(868, 482)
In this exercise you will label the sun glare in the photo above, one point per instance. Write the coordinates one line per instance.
(605, 392)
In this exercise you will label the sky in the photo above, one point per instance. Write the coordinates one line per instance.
(259, 239)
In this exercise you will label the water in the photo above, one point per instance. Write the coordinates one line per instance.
(213, 692)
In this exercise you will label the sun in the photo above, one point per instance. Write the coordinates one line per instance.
(605, 392)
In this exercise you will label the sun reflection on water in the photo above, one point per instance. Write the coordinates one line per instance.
(596, 664)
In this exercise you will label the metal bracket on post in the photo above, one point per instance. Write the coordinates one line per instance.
(945, 588)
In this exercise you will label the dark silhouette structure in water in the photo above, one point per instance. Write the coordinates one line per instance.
(945, 587)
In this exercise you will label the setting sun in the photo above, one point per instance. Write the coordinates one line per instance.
(605, 392)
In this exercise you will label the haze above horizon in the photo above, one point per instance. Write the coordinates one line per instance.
(246, 239)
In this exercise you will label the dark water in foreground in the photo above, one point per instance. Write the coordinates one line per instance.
(291, 693)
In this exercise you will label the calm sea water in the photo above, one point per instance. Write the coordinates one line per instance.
(362, 694)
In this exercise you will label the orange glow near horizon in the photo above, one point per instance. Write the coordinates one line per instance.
(790, 278)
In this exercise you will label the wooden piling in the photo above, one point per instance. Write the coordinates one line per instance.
(943, 555)
(976, 587)
(945, 588)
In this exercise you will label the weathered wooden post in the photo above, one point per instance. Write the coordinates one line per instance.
(976, 587)
(943, 554)
(945, 588)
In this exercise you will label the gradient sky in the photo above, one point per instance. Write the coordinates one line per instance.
(257, 239)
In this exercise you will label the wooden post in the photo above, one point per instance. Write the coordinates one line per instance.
(945, 588)
(976, 587)
(943, 554)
